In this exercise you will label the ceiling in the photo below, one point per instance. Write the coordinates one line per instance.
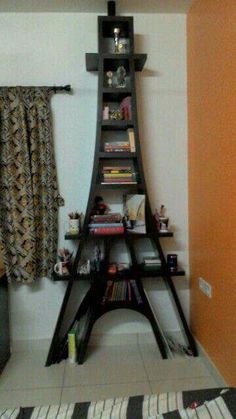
(96, 6)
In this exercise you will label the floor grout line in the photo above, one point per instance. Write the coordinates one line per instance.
(63, 381)
(144, 367)
(145, 379)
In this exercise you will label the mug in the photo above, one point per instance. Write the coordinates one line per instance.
(61, 268)
(74, 226)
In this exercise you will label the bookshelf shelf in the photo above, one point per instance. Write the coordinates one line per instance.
(116, 91)
(130, 186)
(158, 273)
(117, 155)
(134, 236)
(116, 125)
(122, 289)
(120, 276)
(92, 60)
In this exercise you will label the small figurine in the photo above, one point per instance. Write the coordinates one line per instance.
(84, 267)
(115, 115)
(105, 112)
(116, 32)
(100, 208)
(163, 220)
(120, 76)
(162, 211)
(109, 78)
(64, 255)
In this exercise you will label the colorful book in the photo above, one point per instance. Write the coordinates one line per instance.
(118, 174)
(107, 230)
(116, 168)
(106, 218)
(152, 260)
(116, 182)
(106, 225)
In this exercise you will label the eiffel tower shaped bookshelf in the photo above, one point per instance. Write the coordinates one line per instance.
(95, 303)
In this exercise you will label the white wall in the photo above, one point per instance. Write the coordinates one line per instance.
(49, 48)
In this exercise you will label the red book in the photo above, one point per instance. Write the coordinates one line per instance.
(107, 230)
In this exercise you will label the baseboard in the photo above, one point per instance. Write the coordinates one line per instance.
(210, 365)
(121, 339)
(100, 339)
(116, 340)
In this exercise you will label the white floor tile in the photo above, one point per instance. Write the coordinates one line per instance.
(100, 392)
(183, 384)
(26, 370)
(27, 398)
(150, 352)
(108, 371)
(159, 369)
(107, 365)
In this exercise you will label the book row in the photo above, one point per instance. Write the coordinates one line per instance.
(126, 290)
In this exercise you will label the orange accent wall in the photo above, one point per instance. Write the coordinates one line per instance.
(211, 40)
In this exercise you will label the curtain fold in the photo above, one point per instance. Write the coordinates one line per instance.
(28, 183)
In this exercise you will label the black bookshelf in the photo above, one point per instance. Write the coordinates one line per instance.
(96, 302)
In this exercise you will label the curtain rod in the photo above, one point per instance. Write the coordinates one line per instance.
(66, 88)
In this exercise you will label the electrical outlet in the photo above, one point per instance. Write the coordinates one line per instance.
(205, 287)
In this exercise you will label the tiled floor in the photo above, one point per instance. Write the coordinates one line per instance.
(109, 371)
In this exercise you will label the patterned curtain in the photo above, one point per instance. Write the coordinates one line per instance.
(28, 183)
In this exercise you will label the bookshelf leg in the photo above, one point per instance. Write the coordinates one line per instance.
(170, 285)
(189, 336)
(148, 312)
(84, 338)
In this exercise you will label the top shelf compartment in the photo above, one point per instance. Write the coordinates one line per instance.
(116, 34)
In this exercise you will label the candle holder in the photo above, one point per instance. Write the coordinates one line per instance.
(116, 33)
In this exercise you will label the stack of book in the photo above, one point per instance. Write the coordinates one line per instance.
(126, 145)
(152, 264)
(106, 224)
(122, 291)
(117, 175)
(117, 146)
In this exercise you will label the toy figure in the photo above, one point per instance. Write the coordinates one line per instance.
(100, 208)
